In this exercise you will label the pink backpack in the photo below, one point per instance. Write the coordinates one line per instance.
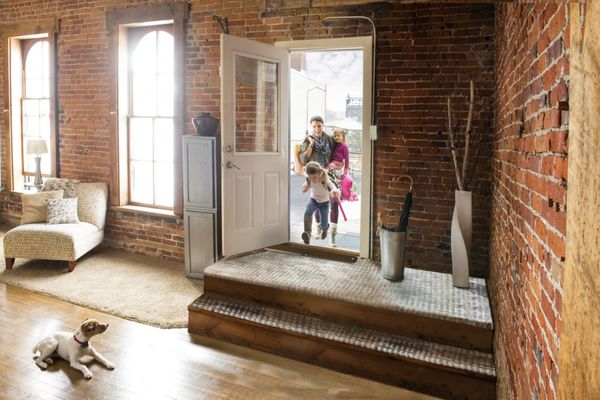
(347, 187)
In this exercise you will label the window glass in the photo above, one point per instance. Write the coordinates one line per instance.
(35, 105)
(256, 105)
(151, 133)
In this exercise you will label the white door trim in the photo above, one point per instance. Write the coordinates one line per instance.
(364, 43)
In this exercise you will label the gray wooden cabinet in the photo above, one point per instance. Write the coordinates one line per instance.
(201, 188)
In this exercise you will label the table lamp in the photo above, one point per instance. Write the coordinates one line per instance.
(37, 147)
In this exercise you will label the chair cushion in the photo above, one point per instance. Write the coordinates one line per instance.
(62, 211)
(51, 242)
(35, 208)
(92, 199)
(68, 185)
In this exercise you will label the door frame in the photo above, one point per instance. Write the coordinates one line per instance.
(364, 43)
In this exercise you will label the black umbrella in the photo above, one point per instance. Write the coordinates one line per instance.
(403, 224)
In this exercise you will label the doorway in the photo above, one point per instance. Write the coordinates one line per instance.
(256, 179)
(328, 83)
(332, 78)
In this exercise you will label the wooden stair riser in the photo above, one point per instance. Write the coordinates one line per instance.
(395, 322)
(433, 380)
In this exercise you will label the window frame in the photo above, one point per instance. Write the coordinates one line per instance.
(12, 37)
(118, 21)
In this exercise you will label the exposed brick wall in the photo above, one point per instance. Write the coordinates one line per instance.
(150, 235)
(426, 52)
(528, 225)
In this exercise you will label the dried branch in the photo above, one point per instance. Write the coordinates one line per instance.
(453, 147)
(468, 131)
(461, 163)
(473, 167)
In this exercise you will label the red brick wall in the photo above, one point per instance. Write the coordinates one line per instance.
(529, 166)
(425, 53)
(145, 234)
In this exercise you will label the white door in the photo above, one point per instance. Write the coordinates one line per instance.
(255, 163)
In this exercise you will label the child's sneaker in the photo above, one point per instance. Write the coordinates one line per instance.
(306, 237)
(318, 233)
(323, 233)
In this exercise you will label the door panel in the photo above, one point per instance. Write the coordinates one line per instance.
(244, 204)
(272, 203)
(254, 109)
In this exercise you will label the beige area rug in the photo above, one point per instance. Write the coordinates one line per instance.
(143, 289)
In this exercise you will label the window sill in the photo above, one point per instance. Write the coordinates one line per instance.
(156, 212)
(20, 191)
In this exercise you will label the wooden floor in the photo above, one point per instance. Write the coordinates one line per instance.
(152, 363)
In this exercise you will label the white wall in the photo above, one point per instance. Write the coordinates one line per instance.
(307, 98)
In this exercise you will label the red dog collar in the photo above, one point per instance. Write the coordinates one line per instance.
(83, 344)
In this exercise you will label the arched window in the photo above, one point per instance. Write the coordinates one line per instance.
(151, 117)
(35, 101)
(147, 106)
(30, 101)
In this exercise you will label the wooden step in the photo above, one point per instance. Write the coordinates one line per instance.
(424, 305)
(440, 370)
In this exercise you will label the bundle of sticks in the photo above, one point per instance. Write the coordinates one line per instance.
(461, 166)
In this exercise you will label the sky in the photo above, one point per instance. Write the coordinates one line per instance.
(341, 71)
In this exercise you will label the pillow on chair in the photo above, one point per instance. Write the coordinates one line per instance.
(62, 211)
(68, 185)
(35, 208)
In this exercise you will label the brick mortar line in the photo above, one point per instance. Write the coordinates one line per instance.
(520, 185)
(531, 230)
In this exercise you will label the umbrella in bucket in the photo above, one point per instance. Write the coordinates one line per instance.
(403, 224)
(393, 240)
(408, 200)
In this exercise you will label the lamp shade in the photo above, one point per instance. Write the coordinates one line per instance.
(37, 146)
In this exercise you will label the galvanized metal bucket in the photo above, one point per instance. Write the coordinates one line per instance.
(392, 254)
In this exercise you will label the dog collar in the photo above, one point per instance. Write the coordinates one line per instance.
(83, 344)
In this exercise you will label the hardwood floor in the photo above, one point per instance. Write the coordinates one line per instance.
(153, 363)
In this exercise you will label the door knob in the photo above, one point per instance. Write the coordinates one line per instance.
(231, 165)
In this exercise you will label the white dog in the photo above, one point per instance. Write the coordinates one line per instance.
(72, 347)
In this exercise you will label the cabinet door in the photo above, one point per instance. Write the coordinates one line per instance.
(199, 190)
(200, 233)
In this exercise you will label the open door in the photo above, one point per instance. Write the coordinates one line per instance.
(255, 163)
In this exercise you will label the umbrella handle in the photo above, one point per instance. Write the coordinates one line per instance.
(341, 208)
(397, 178)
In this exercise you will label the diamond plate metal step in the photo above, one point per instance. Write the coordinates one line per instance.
(447, 371)
(424, 305)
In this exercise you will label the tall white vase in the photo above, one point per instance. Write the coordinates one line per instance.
(462, 227)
